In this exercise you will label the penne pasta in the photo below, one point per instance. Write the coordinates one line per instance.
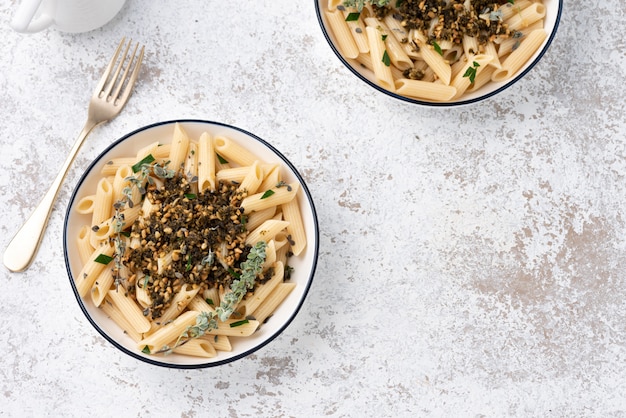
(166, 259)
(411, 45)
(295, 227)
(101, 286)
(86, 205)
(343, 35)
(196, 348)
(233, 152)
(252, 302)
(378, 54)
(129, 310)
(206, 163)
(425, 89)
(520, 56)
(272, 301)
(169, 333)
(83, 244)
(264, 200)
(266, 231)
(92, 269)
(111, 166)
(252, 180)
(178, 150)
(120, 320)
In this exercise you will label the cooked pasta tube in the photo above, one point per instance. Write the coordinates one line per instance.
(266, 231)
(264, 200)
(92, 268)
(180, 144)
(83, 244)
(272, 301)
(464, 79)
(220, 342)
(253, 179)
(120, 320)
(380, 66)
(425, 89)
(295, 227)
(197, 348)
(105, 229)
(200, 305)
(169, 333)
(436, 62)
(357, 29)
(527, 16)
(86, 204)
(178, 304)
(251, 302)
(131, 311)
(235, 328)
(206, 163)
(232, 151)
(258, 217)
(394, 49)
(111, 166)
(342, 33)
(520, 56)
(101, 286)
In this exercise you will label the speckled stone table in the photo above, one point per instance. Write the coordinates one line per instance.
(472, 260)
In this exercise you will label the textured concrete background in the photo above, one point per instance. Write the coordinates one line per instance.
(472, 260)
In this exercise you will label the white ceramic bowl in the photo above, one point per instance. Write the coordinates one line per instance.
(553, 16)
(304, 265)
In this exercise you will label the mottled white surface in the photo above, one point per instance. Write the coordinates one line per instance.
(472, 260)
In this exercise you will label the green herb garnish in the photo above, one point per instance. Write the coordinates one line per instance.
(205, 321)
(359, 4)
(437, 48)
(267, 194)
(352, 17)
(103, 259)
(221, 159)
(145, 160)
(190, 196)
(471, 71)
(283, 184)
(239, 323)
(386, 60)
(146, 350)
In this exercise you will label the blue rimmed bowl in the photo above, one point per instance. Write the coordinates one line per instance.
(303, 265)
(552, 18)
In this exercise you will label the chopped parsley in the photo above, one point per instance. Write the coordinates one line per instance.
(352, 17)
(267, 194)
(386, 60)
(144, 161)
(471, 71)
(103, 259)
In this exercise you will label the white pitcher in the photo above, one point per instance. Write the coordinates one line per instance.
(66, 15)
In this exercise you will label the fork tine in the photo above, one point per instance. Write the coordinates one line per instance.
(123, 98)
(118, 69)
(107, 71)
(128, 66)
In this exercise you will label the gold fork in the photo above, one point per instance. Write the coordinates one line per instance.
(107, 101)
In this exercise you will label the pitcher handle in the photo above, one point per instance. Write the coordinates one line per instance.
(23, 18)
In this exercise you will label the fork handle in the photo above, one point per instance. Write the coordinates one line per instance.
(22, 249)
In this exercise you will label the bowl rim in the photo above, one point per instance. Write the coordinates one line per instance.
(245, 353)
(426, 103)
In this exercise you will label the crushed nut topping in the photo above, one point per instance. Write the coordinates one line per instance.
(190, 238)
(450, 20)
